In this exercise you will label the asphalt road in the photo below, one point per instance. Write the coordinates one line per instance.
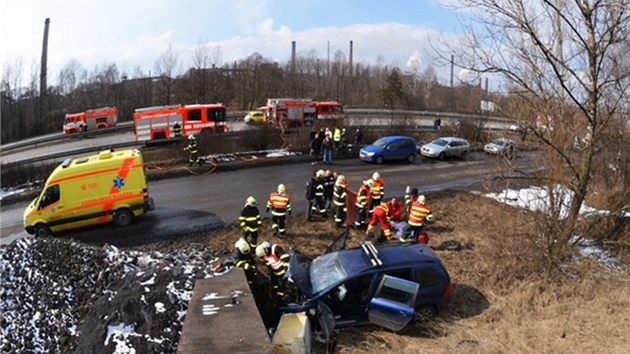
(199, 203)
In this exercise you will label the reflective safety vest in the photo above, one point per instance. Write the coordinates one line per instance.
(362, 195)
(337, 135)
(279, 203)
(277, 262)
(417, 213)
(377, 189)
(177, 130)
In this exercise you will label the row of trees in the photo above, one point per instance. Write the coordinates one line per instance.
(242, 85)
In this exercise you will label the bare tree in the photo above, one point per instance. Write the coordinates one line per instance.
(563, 58)
(168, 68)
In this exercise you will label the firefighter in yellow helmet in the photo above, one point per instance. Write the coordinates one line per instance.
(280, 205)
(250, 221)
(339, 200)
(376, 191)
(362, 204)
(192, 149)
(245, 259)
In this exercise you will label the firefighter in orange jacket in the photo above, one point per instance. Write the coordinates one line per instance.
(419, 213)
(277, 260)
(361, 203)
(383, 216)
(376, 191)
(280, 205)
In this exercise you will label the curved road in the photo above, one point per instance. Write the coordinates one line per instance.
(203, 202)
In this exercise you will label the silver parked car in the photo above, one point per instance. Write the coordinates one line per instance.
(501, 146)
(446, 147)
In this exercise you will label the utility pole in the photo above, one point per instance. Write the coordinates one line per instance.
(43, 85)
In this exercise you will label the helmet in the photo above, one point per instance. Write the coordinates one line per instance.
(422, 199)
(191, 136)
(281, 188)
(251, 201)
(341, 179)
(376, 176)
(262, 249)
(243, 246)
(320, 173)
(414, 191)
(369, 183)
(328, 173)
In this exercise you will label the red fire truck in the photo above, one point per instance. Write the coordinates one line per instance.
(157, 122)
(297, 112)
(97, 118)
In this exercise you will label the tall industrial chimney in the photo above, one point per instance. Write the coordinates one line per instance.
(350, 61)
(43, 85)
(293, 57)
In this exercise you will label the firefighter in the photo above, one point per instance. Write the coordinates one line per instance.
(411, 194)
(419, 213)
(339, 200)
(244, 259)
(361, 204)
(277, 260)
(192, 151)
(250, 221)
(320, 190)
(177, 130)
(376, 191)
(280, 205)
(329, 185)
(383, 216)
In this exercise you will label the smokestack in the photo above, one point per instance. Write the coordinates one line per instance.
(43, 84)
(350, 61)
(328, 61)
(293, 57)
(452, 62)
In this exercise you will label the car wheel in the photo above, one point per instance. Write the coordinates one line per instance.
(41, 230)
(410, 158)
(441, 156)
(122, 217)
(465, 155)
(379, 159)
(425, 313)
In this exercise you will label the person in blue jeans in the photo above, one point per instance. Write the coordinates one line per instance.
(327, 146)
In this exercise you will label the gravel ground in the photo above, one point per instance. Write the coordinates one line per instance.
(60, 296)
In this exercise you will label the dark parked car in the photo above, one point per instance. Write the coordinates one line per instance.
(388, 148)
(387, 285)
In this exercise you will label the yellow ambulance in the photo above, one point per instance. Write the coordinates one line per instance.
(91, 190)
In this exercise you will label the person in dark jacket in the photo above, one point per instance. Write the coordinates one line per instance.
(358, 139)
(329, 185)
(320, 188)
(310, 196)
(177, 130)
(250, 221)
(327, 146)
(244, 258)
(316, 146)
(339, 200)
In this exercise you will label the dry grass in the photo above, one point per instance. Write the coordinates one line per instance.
(502, 301)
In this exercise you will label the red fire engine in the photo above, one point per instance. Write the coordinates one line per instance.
(94, 119)
(157, 122)
(297, 112)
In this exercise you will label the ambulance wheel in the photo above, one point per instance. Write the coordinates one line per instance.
(41, 230)
(122, 217)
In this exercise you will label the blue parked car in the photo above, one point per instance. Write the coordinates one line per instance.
(388, 148)
(387, 285)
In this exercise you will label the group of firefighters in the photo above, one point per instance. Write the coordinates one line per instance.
(326, 191)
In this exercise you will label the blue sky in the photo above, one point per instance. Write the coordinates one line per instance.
(133, 33)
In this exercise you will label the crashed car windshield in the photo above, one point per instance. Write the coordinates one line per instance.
(325, 271)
